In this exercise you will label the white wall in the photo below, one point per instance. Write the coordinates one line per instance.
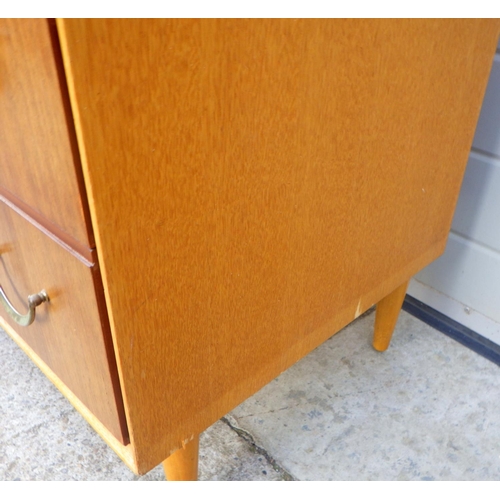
(464, 283)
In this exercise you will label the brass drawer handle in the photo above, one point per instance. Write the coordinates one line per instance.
(33, 301)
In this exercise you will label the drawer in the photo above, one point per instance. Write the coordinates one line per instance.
(70, 333)
(39, 162)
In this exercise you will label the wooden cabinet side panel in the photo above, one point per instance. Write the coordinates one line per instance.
(257, 184)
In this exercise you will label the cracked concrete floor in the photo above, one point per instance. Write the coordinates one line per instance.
(426, 409)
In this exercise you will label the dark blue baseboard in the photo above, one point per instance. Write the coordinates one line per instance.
(456, 331)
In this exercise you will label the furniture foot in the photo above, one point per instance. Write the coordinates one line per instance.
(386, 316)
(183, 464)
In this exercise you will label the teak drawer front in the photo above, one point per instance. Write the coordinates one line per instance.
(39, 162)
(70, 332)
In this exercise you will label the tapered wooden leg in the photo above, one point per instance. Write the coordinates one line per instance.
(183, 464)
(386, 316)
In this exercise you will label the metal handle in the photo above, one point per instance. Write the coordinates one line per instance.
(33, 301)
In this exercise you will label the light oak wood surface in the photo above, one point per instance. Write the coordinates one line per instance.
(39, 159)
(183, 464)
(387, 316)
(70, 333)
(255, 185)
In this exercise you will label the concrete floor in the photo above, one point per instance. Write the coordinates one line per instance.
(427, 409)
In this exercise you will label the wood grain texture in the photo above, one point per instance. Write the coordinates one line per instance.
(85, 254)
(39, 161)
(255, 185)
(69, 334)
(386, 317)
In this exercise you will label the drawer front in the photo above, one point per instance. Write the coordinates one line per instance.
(39, 163)
(70, 332)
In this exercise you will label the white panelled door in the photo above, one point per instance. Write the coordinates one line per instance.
(464, 284)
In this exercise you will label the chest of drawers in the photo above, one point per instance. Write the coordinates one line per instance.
(206, 201)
